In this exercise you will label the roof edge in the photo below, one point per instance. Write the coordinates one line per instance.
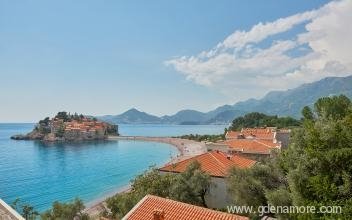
(135, 207)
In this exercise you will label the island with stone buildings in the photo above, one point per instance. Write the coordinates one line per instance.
(69, 127)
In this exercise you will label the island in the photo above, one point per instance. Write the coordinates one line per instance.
(69, 127)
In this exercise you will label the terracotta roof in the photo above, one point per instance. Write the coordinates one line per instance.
(259, 133)
(232, 134)
(215, 163)
(154, 207)
(252, 145)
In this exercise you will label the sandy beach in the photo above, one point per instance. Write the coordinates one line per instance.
(187, 149)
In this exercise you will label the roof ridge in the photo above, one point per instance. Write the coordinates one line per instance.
(223, 165)
(181, 161)
(136, 206)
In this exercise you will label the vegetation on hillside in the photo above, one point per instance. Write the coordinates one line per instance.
(190, 186)
(24, 209)
(256, 119)
(316, 169)
(70, 210)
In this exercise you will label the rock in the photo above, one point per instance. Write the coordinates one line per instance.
(20, 137)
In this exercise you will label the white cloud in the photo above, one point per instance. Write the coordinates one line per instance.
(241, 67)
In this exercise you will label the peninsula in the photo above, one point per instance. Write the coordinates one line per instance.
(69, 127)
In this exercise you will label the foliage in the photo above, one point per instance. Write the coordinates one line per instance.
(45, 121)
(60, 131)
(250, 187)
(190, 186)
(64, 116)
(26, 210)
(316, 169)
(197, 137)
(256, 119)
(69, 211)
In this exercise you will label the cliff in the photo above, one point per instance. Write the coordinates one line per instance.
(67, 127)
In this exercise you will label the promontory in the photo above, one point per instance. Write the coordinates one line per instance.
(69, 127)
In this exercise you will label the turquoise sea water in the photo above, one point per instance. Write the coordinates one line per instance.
(43, 173)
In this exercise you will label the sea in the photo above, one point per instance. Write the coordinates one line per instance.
(39, 174)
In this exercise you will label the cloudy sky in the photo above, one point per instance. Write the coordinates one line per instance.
(104, 57)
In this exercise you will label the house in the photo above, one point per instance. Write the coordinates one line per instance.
(8, 213)
(249, 148)
(253, 143)
(217, 164)
(157, 208)
(279, 136)
(252, 133)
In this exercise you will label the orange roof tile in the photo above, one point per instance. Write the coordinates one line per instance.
(215, 163)
(259, 133)
(252, 145)
(150, 205)
(232, 134)
(255, 133)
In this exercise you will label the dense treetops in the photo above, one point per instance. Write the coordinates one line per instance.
(70, 210)
(316, 169)
(190, 187)
(256, 119)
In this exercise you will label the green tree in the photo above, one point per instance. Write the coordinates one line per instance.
(67, 211)
(250, 187)
(63, 115)
(60, 131)
(307, 113)
(26, 210)
(316, 169)
(319, 160)
(256, 119)
(190, 186)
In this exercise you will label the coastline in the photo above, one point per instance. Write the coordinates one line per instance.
(187, 149)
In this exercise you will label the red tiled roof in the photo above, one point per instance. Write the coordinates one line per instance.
(252, 145)
(215, 163)
(232, 134)
(173, 210)
(259, 133)
(254, 133)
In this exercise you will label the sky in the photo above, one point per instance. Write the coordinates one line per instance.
(105, 57)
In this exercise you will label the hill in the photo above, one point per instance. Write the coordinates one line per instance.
(281, 103)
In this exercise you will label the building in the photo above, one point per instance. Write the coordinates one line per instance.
(249, 148)
(8, 213)
(278, 136)
(217, 164)
(157, 208)
(254, 143)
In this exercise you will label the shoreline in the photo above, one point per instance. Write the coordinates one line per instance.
(187, 149)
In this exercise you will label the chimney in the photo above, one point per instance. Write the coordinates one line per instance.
(158, 214)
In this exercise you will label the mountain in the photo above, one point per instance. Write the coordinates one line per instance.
(282, 103)
(290, 102)
(185, 116)
(132, 116)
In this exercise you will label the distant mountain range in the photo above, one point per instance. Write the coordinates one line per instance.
(282, 103)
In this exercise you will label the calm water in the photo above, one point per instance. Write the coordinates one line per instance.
(169, 130)
(40, 174)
